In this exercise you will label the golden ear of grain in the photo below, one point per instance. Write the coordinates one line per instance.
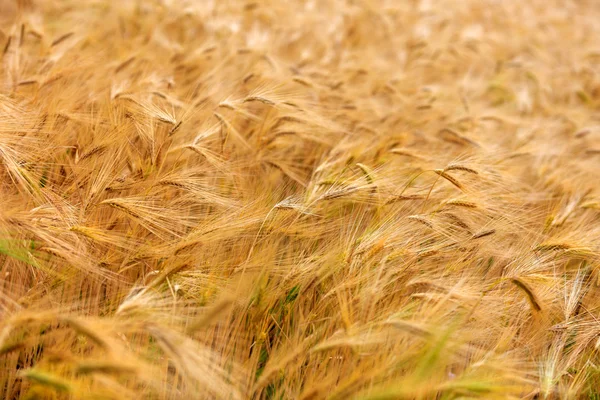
(401, 197)
(449, 178)
(567, 248)
(61, 39)
(483, 234)
(367, 172)
(124, 64)
(335, 194)
(405, 152)
(175, 128)
(531, 297)
(459, 167)
(453, 136)
(461, 203)
(425, 221)
(95, 151)
(84, 329)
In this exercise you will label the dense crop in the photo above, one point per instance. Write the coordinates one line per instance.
(300, 199)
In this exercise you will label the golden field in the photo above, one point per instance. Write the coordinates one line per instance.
(321, 199)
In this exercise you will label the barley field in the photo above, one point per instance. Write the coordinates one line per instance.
(319, 199)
